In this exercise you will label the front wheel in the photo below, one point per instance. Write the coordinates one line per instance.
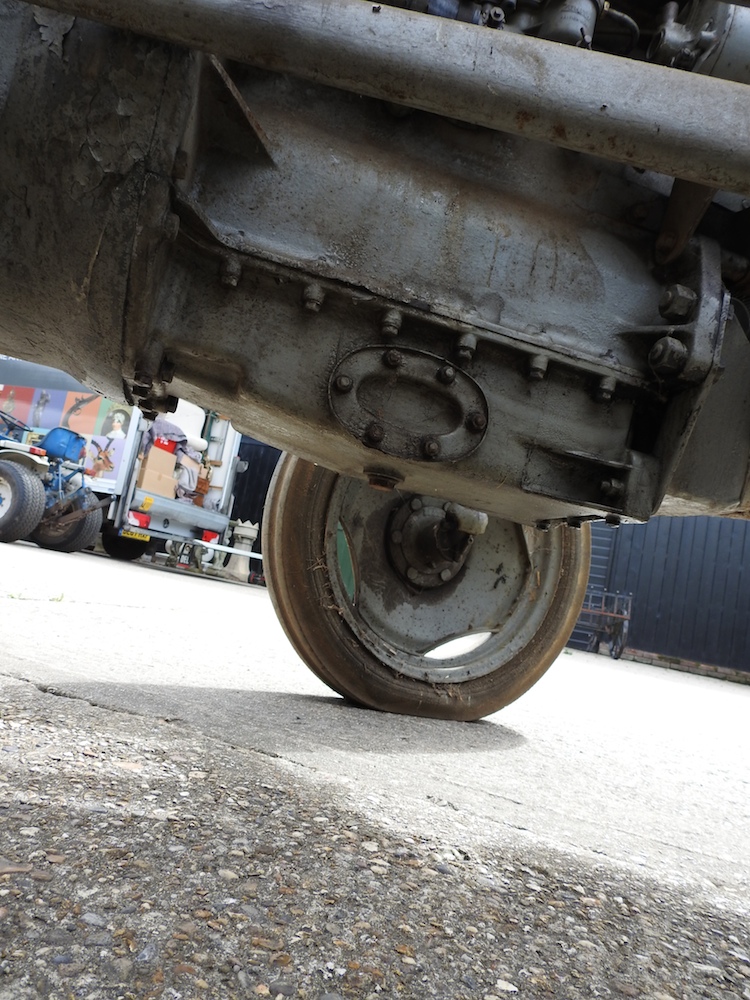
(21, 501)
(400, 603)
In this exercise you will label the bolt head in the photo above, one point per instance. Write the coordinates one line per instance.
(392, 358)
(412, 573)
(677, 303)
(447, 374)
(343, 383)
(446, 574)
(668, 356)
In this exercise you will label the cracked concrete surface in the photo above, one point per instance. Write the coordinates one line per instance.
(646, 769)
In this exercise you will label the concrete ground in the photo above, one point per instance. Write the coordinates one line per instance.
(646, 769)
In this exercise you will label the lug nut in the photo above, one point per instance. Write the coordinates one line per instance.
(447, 374)
(374, 433)
(476, 422)
(412, 573)
(430, 447)
(393, 358)
(446, 574)
(342, 383)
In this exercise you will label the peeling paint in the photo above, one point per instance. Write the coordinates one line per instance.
(53, 28)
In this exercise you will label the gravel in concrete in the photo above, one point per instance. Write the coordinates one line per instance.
(145, 859)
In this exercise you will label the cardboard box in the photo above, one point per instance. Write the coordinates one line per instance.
(156, 482)
(189, 463)
(159, 461)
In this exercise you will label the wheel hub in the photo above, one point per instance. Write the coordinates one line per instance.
(425, 543)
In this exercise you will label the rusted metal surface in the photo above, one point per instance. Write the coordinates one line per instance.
(650, 116)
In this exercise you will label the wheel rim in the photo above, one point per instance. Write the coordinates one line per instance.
(6, 496)
(491, 605)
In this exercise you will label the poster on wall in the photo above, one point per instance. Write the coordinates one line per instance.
(103, 423)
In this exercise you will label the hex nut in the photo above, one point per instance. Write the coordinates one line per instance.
(668, 356)
(446, 374)
(343, 383)
(677, 303)
(392, 358)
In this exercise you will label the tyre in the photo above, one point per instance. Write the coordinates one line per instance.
(394, 606)
(125, 549)
(70, 536)
(21, 501)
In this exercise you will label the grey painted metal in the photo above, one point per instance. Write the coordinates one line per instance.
(691, 588)
(232, 239)
(649, 116)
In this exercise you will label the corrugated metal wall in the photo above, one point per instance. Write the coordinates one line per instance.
(691, 592)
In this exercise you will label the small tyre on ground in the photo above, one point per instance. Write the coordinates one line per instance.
(70, 536)
(126, 549)
(21, 501)
(394, 603)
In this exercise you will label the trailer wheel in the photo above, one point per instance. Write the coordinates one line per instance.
(69, 536)
(396, 610)
(21, 501)
(124, 549)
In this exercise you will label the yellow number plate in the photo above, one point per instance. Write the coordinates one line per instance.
(139, 536)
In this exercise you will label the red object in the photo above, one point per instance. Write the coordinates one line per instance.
(138, 520)
(165, 444)
(210, 536)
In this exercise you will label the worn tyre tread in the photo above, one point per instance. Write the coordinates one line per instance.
(294, 547)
